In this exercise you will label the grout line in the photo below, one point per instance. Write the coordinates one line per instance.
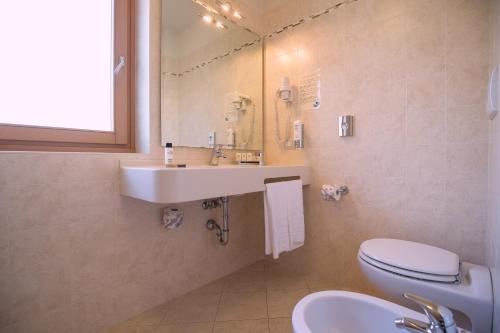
(267, 306)
(446, 90)
(218, 305)
(237, 320)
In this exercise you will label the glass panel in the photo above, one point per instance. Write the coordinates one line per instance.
(56, 63)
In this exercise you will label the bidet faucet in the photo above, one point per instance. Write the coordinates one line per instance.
(216, 154)
(440, 318)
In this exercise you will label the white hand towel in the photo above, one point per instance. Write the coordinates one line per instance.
(284, 217)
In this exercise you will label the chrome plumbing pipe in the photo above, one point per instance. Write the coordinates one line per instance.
(221, 233)
(224, 238)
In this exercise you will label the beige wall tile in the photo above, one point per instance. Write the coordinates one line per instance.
(425, 127)
(466, 84)
(426, 91)
(426, 167)
(426, 41)
(467, 125)
(467, 162)
(54, 321)
(493, 226)
(416, 91)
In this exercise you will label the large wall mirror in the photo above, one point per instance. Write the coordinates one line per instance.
(212, 77)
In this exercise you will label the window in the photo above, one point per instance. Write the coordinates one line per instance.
(66, 75)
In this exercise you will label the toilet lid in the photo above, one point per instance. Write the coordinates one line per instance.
(411, 258)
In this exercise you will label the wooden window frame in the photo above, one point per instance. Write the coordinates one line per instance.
(37, 138)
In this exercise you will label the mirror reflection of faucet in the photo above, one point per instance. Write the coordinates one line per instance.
(216, 154)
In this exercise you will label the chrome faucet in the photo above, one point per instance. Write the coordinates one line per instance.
(216, 154)
(440, 318)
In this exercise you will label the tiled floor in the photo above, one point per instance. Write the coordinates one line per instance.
(257, 299)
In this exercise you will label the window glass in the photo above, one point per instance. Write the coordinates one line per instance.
(56, 63)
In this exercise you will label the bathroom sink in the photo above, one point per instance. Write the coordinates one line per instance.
(159, 184)
(348, 312)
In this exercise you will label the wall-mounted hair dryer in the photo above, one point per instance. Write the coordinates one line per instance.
(284, 91)
(240, 101)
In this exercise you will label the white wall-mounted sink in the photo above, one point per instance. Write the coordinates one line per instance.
(347, 312)
(159, 184)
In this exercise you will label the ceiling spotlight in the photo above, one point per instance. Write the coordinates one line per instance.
(220, 25)
(237, 15)
(208, 18)
(225, 7)
(206, 6)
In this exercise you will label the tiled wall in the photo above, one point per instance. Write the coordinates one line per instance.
(493, 241)
(414, 74)
(75, 256)
(494, 157)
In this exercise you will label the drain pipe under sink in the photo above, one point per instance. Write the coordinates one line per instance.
(221, 233)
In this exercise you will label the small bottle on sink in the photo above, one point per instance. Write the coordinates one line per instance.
(169, 155)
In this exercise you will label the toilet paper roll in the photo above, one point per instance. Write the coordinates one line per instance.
(173, 217)
(329, 193)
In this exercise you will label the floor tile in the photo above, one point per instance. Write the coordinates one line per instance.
(185, 328)
(319, 284)
(270, 264)
(238, 303)
(242, 326)
(245, 281)
(280, 279)
(280, 325)
(281, 302)
(242, 305)
(193, 308)
(132, 329)
(149, 317)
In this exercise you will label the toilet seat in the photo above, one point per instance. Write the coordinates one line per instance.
(410, 259)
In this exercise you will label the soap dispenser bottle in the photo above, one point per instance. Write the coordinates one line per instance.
(298, 134)
(169, 155)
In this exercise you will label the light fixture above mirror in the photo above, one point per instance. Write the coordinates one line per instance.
(227, 8)
(209, 19)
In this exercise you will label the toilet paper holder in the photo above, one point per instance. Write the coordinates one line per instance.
(343, 190)
(330, 193)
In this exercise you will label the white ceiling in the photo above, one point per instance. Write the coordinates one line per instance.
(180, 14)
(262, 6)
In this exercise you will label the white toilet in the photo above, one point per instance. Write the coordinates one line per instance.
(397, 266)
